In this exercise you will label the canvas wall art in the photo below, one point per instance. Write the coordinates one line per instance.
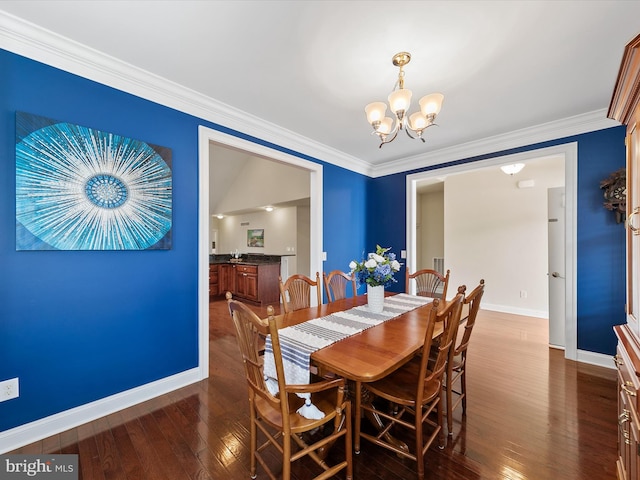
(255, 238)
(78, 188)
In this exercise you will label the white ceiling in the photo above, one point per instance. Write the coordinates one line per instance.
(311, 66)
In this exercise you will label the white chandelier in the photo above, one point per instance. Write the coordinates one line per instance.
(512, 169)
(399, 101)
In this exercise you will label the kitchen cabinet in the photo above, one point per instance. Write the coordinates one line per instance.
(625, 107)
(257, 283)
(213, 280)
(226, 277)
(247, 282)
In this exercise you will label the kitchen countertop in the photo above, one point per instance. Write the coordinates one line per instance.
(246, 259)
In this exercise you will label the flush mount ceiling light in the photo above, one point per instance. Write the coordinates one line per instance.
(512, 169)
(399, 102)
(269, 209)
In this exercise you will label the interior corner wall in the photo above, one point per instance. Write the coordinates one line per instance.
(80, 326)
(346, 202)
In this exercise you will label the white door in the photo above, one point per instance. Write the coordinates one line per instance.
(556, 209)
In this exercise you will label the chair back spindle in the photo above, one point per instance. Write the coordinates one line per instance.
(429, 283)
(296, 292)
(336, 285)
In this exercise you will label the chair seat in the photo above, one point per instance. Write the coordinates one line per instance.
(400, 386)
(325, 402)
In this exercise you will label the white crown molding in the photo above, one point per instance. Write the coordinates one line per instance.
(34, 42)
(584, 123)
(29, 40)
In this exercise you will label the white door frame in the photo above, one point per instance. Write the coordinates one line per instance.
(205, 136)
(570, 153)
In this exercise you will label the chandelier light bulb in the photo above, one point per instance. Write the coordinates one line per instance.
(399, 101)
(375, 111)
(385, 126)
(431, 104)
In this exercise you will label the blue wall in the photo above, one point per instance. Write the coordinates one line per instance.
(347, 194)
(76, 327)
(601, 242)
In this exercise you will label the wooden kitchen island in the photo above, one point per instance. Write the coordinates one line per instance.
(253, 279)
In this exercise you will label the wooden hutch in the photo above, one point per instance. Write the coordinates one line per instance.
(625, 107)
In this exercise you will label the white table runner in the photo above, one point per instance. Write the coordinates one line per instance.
(298, 342)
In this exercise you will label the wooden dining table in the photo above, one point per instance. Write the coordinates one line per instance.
(371, 354)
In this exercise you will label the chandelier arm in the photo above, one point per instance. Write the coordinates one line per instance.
(395, 134)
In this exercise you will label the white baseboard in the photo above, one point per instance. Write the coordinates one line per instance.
(594, 358)
(584, 356)
(516, 311)
(45, 427)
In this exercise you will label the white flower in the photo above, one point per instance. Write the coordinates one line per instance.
(378, 268)
(377, 258)
(371, 263)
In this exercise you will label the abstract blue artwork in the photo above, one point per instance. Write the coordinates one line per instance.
(78, 188)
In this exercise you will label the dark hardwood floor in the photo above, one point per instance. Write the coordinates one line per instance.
(531, 415)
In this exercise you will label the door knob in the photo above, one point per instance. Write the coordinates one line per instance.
(556, 275)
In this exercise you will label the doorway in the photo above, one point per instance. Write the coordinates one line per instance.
(206, 137)
(569, 153)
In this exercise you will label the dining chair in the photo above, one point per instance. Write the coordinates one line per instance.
(456, 368)
(295, 293)
(336, 284)
(429, 283)
(414, 390)
(276, 417)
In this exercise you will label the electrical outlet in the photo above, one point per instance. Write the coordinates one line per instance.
(9, 389)
(523, 294)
